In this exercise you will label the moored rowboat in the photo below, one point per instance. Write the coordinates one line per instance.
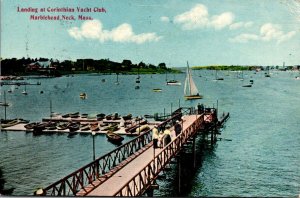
(114, 138)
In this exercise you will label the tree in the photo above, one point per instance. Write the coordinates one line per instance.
(162, 66)
(142, 65)
(126, 64)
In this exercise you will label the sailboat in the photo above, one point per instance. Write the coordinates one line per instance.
(117, 82)
(24, 91)
(267, 74)
(137, 81)
(217, 76)
(138, 77)
(190, 90)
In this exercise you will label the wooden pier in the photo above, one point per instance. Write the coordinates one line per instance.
(132, 168)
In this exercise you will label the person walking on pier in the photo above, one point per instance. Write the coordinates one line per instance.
(160, 138)
(177, 128)
(155, 137)
(167, 136)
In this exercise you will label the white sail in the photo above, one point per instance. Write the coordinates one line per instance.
(190, 88)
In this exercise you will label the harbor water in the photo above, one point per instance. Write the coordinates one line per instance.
(261, 157)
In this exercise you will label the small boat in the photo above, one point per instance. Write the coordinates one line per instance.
(116, 117)
(247, 85)
(103, 80)
(148, 116)
(137, 87)
(65, 116)
(73, 126)
(50, 125)
(100, 116)
(62, 126)
(103, 124)
(9, 123)
(82, 95)
(157, 90)
(173, 82)
(4, 104)
(142, 128)
(84, 115)
(85, 127)
(127, 117)
(112, 128)
(108, 117)
(133, 128)
(94, 126)
(39, 127)
(114, 138)
(74, 115)
(190, 90)
(30, 125)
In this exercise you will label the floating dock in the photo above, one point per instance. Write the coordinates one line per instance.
(103, 124)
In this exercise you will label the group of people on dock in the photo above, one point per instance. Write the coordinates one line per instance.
(163, 136)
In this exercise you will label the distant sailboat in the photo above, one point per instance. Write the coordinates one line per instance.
(190, 90)
(117, 82)
(138, 77)
(24, 91)
(217, 76)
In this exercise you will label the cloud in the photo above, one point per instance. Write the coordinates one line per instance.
(198, 17)
(222, 20)
(123, 33)
(268, 32)
(238, 25)
(244, 38)
(165, 19)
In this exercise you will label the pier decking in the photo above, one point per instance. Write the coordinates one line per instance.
(132, 168)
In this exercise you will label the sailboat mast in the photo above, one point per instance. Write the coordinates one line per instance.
(4, 105)
(189, 74)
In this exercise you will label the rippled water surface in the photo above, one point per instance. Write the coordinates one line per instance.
(262, 158)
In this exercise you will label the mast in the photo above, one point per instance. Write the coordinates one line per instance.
(4, 105)
(189, 74)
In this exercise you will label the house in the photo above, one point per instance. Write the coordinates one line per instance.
(40, 65)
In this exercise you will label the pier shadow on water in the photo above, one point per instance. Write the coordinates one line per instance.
(168, 179)
(4, 190)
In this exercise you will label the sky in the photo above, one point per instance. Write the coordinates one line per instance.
(203, 32)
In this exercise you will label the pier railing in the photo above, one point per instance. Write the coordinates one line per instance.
(96, 172)
(145, 178)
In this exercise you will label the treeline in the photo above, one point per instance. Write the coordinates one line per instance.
(16, 66)
(226, 67)
(239, 68)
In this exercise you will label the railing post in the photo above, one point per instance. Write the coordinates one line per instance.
(194, 151)
(179, 173)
